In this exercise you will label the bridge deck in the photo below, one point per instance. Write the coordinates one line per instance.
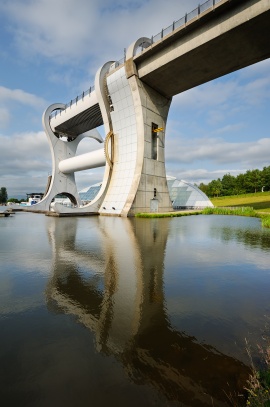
(80, 116)
(233, 35)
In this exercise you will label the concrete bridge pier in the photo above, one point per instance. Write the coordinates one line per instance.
(138, 182)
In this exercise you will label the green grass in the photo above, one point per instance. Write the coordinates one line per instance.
(258, 384)
(243, 211)
(259, 201)
(266, 221)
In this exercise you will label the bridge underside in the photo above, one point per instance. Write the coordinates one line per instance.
(236, 35)
(84, 121)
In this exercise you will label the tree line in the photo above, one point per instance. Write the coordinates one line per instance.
(3, 195)
(250, 182)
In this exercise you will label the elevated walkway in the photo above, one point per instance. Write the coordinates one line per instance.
(79, 116)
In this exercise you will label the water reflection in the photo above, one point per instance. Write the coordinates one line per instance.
(249, 236)
(115, 287)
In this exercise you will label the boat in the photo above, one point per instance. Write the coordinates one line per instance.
(5, 212)
(32, 199)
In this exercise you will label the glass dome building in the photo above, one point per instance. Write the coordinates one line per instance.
(89, 193)
(183, 194)
(186, 196)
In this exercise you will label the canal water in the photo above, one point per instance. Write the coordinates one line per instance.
(102, 311)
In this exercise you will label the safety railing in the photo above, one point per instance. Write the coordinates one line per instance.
(207, 5)
(196, 13)
(86, 93)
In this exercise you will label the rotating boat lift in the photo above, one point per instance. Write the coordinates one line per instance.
(133, 151)
(132, 100)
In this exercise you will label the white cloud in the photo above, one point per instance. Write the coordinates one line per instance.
(87, 178)
(220, 93)
(22, 97)
(201, 174)
(69, 29)
(212, 94)
(261, 69)
(4, 117)
(25, 154)
(255, 92)
(53, 29)
(219, 152)
(230, 128)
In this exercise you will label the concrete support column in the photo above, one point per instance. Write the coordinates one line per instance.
(151, 109)
(138, 181)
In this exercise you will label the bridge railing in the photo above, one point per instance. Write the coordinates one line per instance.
(207, 5)
(85, 94)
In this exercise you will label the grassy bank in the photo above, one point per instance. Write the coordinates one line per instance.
(259, 201)
(255, 205)
(266, 223)
(252, 205)
(243, 211)
(258, 384)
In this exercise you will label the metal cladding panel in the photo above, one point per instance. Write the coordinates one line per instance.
(82, 122)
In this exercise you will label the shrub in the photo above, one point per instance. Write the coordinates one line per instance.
(243, 211)
(266, 221)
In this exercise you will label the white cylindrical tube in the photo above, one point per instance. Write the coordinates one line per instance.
(94, 159)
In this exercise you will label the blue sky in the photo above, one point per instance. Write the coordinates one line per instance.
(50, 52)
